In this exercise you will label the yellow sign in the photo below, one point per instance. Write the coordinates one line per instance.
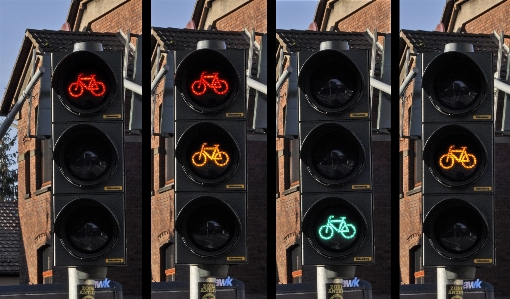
(210, 153)
(112, 188)
(114, 260)
(483, 261)
(461, 156)
(236, 258)
(357, 187)
(362, 258)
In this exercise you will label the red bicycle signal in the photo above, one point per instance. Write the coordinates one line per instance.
(96, 88)
(219, 86)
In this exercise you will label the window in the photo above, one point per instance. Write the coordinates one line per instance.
(46, 162)
(294, 272)
(167, 262)
(416, 272)
(294, 162)
(417, 163)
(169, 160)
(44, 265)
(27, 174)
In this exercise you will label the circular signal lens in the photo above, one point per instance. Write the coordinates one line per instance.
(85, 155)
(209, 226)
(332, 154)
(86, 228)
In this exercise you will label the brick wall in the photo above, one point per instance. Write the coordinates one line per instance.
(126, 16)
(369, 16)
(251, 15)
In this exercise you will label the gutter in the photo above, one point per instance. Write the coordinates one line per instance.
(455, 12)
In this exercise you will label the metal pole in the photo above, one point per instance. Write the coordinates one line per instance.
(380, 85)
(321, 282)
(132, 86)
(159, 76)
(408, 80)
(282, 78)
(256, 85)
(194, 278)
(73, 283)
(502, 86)
(19, 104)
(441, 283)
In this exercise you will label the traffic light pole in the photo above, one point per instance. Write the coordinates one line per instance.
(330, 279)
(82, 281)
(451, 279)
(202, 280)
(17, 107)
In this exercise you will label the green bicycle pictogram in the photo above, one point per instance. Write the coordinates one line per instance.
(347, 230)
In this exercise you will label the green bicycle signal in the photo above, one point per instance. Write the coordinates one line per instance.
(347, 230)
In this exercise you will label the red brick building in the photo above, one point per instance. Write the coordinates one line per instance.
(334, 20)
(478, 23)
(231, 21)
(96, 20)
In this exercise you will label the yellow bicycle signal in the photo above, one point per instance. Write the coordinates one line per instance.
(210, 153)
(461, 156)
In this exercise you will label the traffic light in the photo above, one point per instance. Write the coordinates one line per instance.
(88, 157)
(335, 151)
(210, 154)
(458, 158)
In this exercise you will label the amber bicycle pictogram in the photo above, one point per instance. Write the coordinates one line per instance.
(210, 153)
(461, 156)
(212, 81)
(96, 88)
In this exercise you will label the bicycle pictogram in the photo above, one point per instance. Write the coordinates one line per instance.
(210, 153)
(461, 156)
(347, 230)
(219, 86)
(96, 88)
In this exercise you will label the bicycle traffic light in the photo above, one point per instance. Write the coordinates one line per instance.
(458, 158)
(88, 157)
(335, 169)
(210, 154)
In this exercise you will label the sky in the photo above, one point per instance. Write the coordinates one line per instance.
(15, 17)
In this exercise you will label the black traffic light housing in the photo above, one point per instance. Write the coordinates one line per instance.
(458, 158)
(210, 155)
(88, 157)
(335, 132)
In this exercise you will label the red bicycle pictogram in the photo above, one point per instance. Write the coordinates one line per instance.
(96, 88)
(219, 86)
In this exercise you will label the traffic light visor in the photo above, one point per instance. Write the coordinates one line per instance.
(334, 227)
(208, 226)
(87, 228)
(455, 156)
(455, 83)
(207, 81)
(84, 82)
(331, 81)
(85, 155)
(455, 228)
(332, 154)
